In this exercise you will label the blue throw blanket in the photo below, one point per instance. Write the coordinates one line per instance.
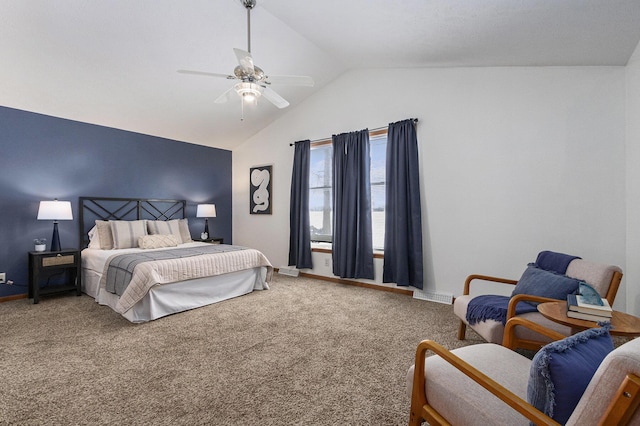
(552, 261)
(490, 306)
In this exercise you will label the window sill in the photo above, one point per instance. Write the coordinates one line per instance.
(328, 248)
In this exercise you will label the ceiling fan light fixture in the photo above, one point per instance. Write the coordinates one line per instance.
(248, 91)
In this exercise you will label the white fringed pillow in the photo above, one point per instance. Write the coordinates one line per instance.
(158, 241)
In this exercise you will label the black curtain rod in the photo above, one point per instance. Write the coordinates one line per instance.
(415, 120)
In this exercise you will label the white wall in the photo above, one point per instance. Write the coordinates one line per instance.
(514, 161)
(632, 273)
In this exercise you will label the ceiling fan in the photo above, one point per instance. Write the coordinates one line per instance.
(253, 82)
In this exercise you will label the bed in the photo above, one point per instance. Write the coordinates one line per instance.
(138, 258)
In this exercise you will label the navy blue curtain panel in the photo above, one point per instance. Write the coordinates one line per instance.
(299, 233)
(352, 234)
(403, 262)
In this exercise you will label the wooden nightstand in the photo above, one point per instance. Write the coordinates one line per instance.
(212, 240)
(45, 266)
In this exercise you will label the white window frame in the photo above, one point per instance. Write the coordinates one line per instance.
(324, 240)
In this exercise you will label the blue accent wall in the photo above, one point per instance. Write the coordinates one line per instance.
(43, 158)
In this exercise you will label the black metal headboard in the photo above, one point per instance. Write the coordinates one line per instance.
(101, 208)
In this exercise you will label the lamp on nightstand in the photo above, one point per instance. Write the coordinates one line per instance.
(55, 210)
(206, 211)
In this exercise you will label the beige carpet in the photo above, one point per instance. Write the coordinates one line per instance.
(305, 352)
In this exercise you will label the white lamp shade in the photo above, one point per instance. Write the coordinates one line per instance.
(55, 210)
(206, 210)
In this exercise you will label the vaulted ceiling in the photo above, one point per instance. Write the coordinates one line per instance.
(115, 62)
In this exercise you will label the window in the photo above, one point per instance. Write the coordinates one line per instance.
(321, 189)
(321, 192)
(378, 176)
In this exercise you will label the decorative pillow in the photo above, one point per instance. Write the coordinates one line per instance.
(126, 232)
(165, 227)
(561, 371)
(538, 282)
(184, 230)
(589, 294)
(158, 241)
(176, 227)
(105, 235)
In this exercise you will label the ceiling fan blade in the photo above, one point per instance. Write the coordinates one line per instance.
(208, 74)
(291, 80)
(274, 98)
(245, 60)
(225, 96)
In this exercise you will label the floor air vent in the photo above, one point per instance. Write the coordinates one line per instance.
(432, 296)
(291, 272)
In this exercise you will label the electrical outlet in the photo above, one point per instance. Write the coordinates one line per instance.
(3, 277)
(326, 263)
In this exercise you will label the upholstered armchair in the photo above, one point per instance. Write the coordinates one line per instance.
(550, 278)
(579, 380)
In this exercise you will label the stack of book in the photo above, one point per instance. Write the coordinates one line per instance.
(578, 308)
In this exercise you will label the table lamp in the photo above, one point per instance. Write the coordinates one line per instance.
(206, 211)
(55, 210)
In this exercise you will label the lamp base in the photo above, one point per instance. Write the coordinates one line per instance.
(55, 239)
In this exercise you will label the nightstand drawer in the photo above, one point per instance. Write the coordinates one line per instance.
(58, 260)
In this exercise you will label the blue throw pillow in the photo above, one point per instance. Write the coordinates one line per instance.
(538, 282)
(561, 371)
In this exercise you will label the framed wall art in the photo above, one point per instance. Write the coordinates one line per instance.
(260, 189)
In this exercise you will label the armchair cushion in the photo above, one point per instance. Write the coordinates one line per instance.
(538, 282)
(561, 371)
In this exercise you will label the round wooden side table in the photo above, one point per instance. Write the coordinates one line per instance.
(621, 324)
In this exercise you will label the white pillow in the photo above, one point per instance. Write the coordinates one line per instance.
(126, 232)
(158, 241)
(94, 238)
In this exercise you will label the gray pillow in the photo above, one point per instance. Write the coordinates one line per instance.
(126, 232)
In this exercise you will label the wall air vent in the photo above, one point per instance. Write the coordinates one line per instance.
(433, 296)
(289, 271)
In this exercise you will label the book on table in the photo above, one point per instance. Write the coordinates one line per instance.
(587, 317)
(576, 303)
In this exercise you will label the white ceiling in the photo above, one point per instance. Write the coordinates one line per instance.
(114, 62)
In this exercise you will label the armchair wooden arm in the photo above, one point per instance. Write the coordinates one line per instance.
(462, 328)
(513, 302)
(420, 409)
(470, 278)
(510, 331)
(533, 345)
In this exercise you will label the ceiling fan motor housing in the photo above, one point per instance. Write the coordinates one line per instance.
(249, 4)
(257, 75)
